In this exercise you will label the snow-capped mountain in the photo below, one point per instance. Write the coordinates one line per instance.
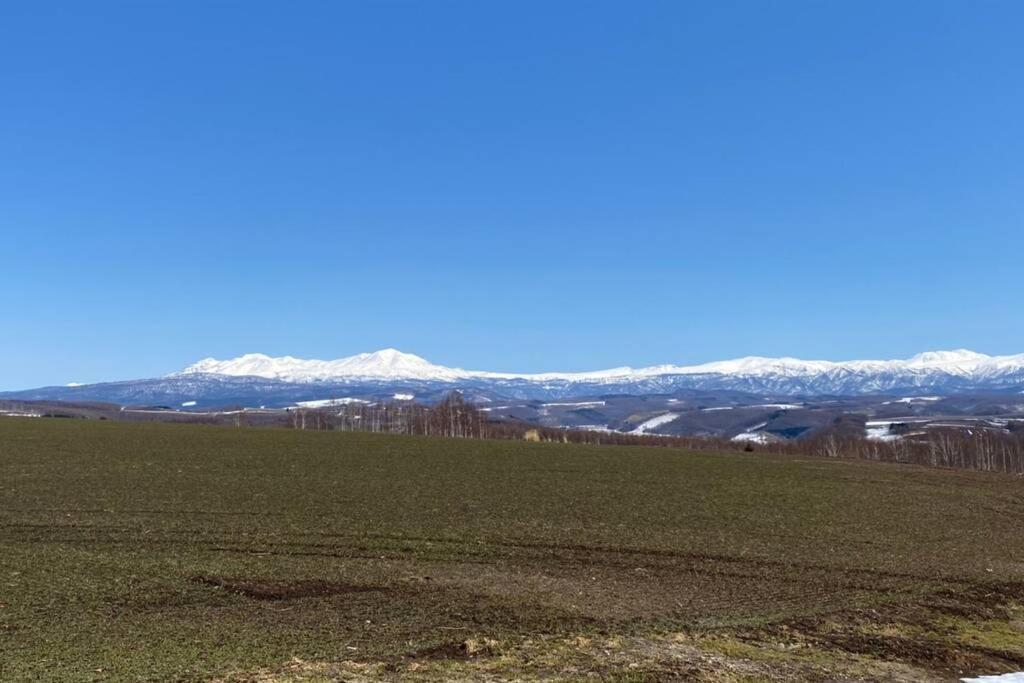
(858, 376)
(383, 364)
(257, 379)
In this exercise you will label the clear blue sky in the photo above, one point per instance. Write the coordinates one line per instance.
(516, 185)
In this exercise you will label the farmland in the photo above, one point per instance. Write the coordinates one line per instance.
(170, 552)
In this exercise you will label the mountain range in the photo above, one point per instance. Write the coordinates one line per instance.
(257, 379)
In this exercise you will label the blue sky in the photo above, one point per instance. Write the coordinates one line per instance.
(518, 185)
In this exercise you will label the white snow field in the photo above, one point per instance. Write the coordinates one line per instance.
(654, 423)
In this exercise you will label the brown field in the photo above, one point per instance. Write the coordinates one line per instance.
(182, 552)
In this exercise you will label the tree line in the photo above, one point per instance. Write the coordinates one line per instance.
(452, 417)
(974, 449)
(985, 450)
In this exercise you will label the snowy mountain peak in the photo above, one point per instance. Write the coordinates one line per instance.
(389, 363)
(391, 358)
(383, 364)
(262, 379)
(754, 373)
(943, 357)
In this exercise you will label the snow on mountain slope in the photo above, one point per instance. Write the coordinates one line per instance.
(383, 364)
(654, 423)
(257, 379)
(923, 369)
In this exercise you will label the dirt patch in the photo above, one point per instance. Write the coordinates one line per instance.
(931, 653)
(976, 601)
(923, 633)
(917, 641)
(281, 590)
(466, 649)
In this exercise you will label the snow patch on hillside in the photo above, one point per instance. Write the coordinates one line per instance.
(329, 402)
(1017, 677)
(654, 423)
(754, 437)
(914, 399)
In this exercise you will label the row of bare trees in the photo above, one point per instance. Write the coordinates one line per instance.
(986, 450)
(452, 417)
(455, 417)
(973, 449)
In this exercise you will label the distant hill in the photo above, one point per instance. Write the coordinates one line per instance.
(257, 379)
